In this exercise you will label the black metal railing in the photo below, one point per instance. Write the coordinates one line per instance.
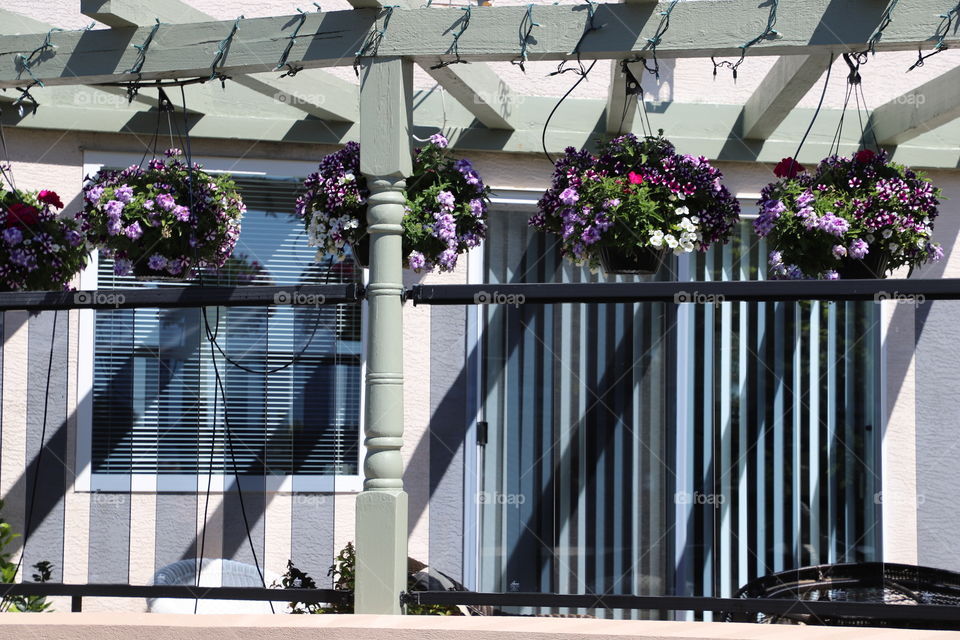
(885, 614)
(77, 592)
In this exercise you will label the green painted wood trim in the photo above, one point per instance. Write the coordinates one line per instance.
(779, 92)
(480, 90)
(919, 110)
(315, 93)
(702, 129)
(134, 13)
(698, 29)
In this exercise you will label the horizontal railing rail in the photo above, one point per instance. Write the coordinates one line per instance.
(79, 591)
(822, 609)
(712, 292)
(702, 292)
(183, 297)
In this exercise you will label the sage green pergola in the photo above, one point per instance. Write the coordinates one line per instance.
(385, 43)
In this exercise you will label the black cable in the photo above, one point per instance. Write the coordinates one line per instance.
(206, 501)
(816, 113)
(233, 458)
(39, 459)
(211, 338)
(543, 137)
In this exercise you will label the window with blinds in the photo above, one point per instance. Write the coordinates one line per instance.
(157, 408)
(671, 449)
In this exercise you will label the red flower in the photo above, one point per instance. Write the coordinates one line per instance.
(51, 198)
(635, 178)
(788, 168)
(864, 155)
(22, 213)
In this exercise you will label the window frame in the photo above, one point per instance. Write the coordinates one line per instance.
(86, 480)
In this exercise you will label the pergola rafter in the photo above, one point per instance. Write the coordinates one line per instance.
(919, 110)
(779, 92)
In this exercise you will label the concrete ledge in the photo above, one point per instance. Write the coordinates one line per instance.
(98, 626)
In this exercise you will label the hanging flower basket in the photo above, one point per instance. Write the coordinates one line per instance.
(858, 217)
(39, 251)
(151, 224)
(446, 207)
(632, 204)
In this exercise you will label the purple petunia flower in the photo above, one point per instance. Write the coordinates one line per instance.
(181, 213)
(446, 200)
(858, 249)
(12, 236)
(839, 251)
(569, 196)
(166, 201)
(93, 194)
(477, 208)
(157, 262)
(448, 259)
(439, 140)
(113, 208)
(134, 231)
(122, 266)
(74, 238)
(416, 261)
(124, 194)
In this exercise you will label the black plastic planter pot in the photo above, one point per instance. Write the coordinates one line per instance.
(873, 266)
(640, 260)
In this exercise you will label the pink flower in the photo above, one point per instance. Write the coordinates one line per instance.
(51, 198)
(864, 155)
(635, 178)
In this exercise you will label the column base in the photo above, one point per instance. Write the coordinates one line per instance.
(381, 569)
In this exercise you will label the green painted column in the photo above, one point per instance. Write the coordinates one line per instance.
(385, 160)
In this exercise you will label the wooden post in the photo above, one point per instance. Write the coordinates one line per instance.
(385, 160)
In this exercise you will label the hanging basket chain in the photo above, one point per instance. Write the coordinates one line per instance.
(455, 46)
(943, 29)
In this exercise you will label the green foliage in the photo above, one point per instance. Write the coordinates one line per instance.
(8, 575)
(343, 572)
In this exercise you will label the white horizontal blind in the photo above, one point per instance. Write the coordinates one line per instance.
(156, 408)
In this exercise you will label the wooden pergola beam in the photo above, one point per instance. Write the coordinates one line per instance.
(136, 13)
(621, 107)
(481, 91)
(779, 92)
(918, 111)
(698, 29)
(322, 96)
